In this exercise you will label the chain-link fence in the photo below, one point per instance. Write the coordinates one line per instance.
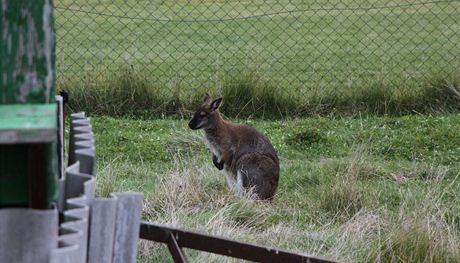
(304, 49)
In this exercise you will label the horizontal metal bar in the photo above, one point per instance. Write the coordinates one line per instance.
(222, 246)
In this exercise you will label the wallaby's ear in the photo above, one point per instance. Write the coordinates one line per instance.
(207, 99)
(216, 104)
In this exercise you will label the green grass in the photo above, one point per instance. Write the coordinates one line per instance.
(354, 189)
(398, 60)
(361, 189)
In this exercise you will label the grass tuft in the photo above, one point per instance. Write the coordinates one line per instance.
(422, 232)
(345, 197)
(305, 137)
(123, 92)
(252, 96)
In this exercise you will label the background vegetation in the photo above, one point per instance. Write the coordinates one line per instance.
(271, 58)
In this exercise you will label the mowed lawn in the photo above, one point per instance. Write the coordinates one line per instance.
(374, 189)
(304, 47)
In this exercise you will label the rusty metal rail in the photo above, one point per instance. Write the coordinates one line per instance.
(176, 239)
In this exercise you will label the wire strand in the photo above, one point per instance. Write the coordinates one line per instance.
(368, 8)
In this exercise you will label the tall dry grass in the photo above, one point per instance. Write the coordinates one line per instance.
(423, 227)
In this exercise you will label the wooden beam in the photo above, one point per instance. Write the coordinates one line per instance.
(28, 123)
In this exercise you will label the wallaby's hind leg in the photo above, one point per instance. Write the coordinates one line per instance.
(236, 182)
(231, 180)
(260, 174)
(239, 187)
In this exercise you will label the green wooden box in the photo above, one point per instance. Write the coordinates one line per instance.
(24, 128)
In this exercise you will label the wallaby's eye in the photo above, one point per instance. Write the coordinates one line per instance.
(202, 114)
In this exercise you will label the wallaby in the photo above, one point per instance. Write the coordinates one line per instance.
(247, 156)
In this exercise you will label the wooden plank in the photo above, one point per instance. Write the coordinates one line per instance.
(223, 246)
(60, 141)
(102, 226)
(28, 123)
(13, 175)
(128, 217)
(28, 235)
(37, 173)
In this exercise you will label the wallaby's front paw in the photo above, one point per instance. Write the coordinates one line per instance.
(219, 165)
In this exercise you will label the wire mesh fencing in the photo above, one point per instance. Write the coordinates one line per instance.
(298, 56)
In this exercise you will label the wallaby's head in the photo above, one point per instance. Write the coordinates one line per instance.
(206, 115)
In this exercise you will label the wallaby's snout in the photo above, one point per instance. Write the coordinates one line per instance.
(192, 124)
(196, 122)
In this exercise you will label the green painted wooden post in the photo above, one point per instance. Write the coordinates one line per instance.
(28, 114)
(27, 51)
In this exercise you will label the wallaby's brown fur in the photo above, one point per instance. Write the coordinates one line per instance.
(247, 156)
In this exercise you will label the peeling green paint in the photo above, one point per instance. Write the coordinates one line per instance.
(27, 51)
(27, 63)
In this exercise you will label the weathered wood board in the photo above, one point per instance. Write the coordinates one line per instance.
(27, 58)
(28, 131)
(28, 123)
